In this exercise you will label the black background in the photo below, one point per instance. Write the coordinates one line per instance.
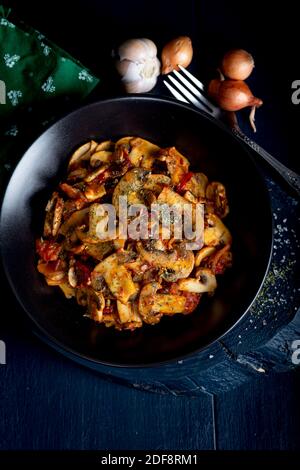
(90, 29)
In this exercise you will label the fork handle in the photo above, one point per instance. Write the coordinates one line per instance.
(292, 178)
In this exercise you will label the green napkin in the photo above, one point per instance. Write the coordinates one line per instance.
(38, 81)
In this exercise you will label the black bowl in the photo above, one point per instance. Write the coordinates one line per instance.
(212, 149)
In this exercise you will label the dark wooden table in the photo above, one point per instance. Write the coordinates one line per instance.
(242, 393)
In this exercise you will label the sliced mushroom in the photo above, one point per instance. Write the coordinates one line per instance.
(54, 274)
(156, 183)
(57, 216)
(148, 197)
(55, 282)
(219, 261)
(152, 305)
(169, 304)
(99, 250)
(129, 185)
(190, 197)
(98, 223)
(94, 191)
(121, 152)
(76, 219)
(95, 174)
(205, 282)
(197, 185)
(82, 153)
(99, 157)
(119, 243)
(137, 266)
(118, 278)
(203, 253)
(136, 320)
(216, 233)
(72, 278)
(98, 283)
(126, 256)
(216, 194)
(49, 215)
(105, 145)
(95, 305)
(124, 141)
(82, 296)
(138, 186)
(73, 205)
(125, 311)
(147, 162)
(135, 197)
(177, 164)
(77, 174)
(68, 291)
(170, 197)
(142, 152)
(94, 235)
(146, 303)
(54, 212)
(71, 191)
(178, 262)
(76, 249)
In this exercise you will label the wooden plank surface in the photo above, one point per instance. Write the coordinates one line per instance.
(264, 415)
(48, 402)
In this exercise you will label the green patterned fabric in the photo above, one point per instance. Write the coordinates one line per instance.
(38, 81)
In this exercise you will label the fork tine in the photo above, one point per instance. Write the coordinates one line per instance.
(175, 93)
(191, 77)
(194, 90)
(187, 84)
(189, 95)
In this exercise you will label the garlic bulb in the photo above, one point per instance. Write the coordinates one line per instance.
(138, 65)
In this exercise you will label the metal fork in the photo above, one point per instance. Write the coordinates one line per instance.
(188, 89)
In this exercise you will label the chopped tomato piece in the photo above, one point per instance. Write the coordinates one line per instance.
(185, 179)
(191, 302)
(83, 274)
(223, 263)
(219, 261)
(48, 250)
(108, 310)
(192, 299)
(51, 267)
(71, 192)
(173, 288)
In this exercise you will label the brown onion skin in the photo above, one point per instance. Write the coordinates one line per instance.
(234, 95)
(213, 88)
(179, 51)
(237, 64)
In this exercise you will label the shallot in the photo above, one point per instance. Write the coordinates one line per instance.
(179, 51)
(233, 95)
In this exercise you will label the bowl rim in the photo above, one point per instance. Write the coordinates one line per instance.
(67, 351)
